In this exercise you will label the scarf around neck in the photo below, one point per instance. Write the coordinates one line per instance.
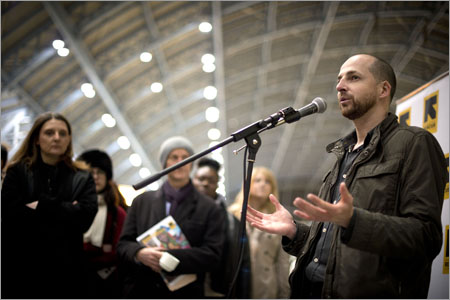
(176, 196)
(95, 233)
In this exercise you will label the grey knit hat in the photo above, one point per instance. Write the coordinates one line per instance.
(172, 143)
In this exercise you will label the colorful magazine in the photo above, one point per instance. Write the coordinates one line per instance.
(168, 234)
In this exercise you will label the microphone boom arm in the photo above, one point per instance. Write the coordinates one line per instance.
(285, 115)
(191, 158)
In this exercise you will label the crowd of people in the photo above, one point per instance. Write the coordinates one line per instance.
(375, 224)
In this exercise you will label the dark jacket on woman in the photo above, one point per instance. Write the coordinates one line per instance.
(201, 221)
(42, 248)
(397, 183)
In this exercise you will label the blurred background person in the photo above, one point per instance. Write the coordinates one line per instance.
(48, 202)
(217, 283)
(100, 241)
(269, 263)
(199, 218)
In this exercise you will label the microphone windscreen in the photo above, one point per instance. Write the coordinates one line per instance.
(321, 104)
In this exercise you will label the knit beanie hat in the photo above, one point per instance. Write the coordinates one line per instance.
(172, 143)
(98, 159)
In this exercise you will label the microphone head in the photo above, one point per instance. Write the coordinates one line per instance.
(321, 104)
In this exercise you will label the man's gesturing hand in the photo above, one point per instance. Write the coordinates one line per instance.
(320, 210)
(279, 222)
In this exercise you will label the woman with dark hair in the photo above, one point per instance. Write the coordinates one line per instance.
(48, 202)
(100, 241)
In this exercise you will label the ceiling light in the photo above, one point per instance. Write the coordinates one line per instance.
(212, 114)
(208, 58)
(86, 87)
(58, 44)
(208, 68)
(108, 120)
(210, 92)
(90, 94)
(222, 173)
(218, 157)
(123, 142)
(154, 186)
(63, 52)
(135, 160)
(205, 27)
(221, 189)
(88, 90)
(156, 87)
(214, 134)
(146, 57)
(144, 172)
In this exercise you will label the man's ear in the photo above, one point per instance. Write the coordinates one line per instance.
(385, 89)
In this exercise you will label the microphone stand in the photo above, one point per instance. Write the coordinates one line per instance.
(250, 134)
(253, 142)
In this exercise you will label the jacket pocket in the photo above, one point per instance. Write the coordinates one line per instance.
(375, 170)
(375, 186)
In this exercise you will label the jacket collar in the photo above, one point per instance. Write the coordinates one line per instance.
(386, 126)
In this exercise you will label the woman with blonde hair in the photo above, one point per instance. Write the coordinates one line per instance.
(48, 201)
(269, 263)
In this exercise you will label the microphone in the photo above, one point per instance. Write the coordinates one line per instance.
(289, 115)
(318, 105)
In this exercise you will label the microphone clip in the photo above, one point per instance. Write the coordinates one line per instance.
(290, 114)
(285, 115)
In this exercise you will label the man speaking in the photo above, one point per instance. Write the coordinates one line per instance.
(377, 218)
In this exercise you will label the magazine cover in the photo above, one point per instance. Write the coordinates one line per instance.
(168, 234)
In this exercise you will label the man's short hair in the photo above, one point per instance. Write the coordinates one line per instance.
(209, 162)
(382, 70)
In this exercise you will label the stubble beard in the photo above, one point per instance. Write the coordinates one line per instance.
(358, 108)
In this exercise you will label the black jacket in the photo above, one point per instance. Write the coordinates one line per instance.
(397, 183)
(42, 248)
(201, 221)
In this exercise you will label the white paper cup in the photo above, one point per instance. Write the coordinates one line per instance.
(168, 262)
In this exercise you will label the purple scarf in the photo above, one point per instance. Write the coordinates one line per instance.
(174, 196)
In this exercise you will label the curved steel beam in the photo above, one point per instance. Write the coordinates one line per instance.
(63, 24)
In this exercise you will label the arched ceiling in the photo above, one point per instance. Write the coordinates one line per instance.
(269, 55)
